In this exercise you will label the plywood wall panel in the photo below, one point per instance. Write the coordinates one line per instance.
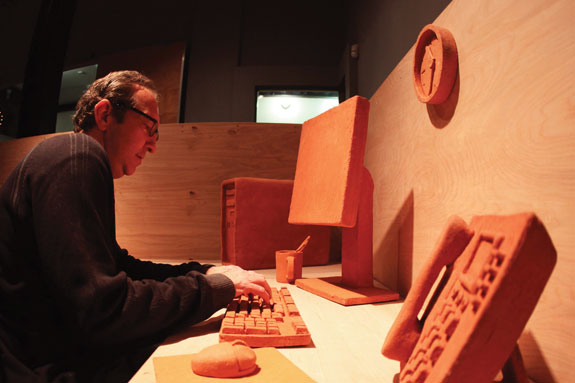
(12, 151)
(170, 208)
(507, 146)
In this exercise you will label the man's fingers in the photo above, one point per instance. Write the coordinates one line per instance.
(258, 290)
(267, 288)
(249, 282)
(260, 280)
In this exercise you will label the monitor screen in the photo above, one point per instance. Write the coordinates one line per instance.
(293, 106)
(329, 166)
(332, 187)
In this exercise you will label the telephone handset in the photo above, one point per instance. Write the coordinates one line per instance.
(406, 329)
(495, 270)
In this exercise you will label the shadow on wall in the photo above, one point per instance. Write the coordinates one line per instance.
(440, 114)
(393, 258)
(335, 245)
(534, 360)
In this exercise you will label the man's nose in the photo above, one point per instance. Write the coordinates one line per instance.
(151, 145)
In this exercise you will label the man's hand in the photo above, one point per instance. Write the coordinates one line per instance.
(245, 282)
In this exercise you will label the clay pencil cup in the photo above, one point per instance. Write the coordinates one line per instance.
(288, 265)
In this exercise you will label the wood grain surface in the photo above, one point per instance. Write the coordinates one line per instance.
(346, 341)
(170, 208)
(503, 143)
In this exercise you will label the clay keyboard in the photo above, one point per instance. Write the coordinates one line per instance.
(263, 325)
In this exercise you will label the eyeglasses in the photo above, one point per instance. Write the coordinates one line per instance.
(151, 131)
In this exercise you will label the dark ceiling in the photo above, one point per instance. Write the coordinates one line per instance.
(262, 32)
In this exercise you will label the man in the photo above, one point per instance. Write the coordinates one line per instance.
(74, 306)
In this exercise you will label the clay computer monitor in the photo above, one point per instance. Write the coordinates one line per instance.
(333, 188)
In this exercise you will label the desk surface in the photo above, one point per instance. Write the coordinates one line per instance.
(346, 341)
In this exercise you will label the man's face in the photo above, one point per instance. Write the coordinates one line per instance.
(128, 142)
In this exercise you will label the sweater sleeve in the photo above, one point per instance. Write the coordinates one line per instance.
(74, 221)
(139, 269)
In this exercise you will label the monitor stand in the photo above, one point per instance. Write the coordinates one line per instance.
(355, 285)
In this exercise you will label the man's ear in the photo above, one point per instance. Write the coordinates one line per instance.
(103, 114)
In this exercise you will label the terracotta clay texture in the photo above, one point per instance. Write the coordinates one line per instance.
(328, 171)
(272, 366)
(357, 241)
(332, 187)
(254, 225)
(261, 325)
(406, 329)
(225, 360)
(335, 290)
(355, 286)
(434, 64)
(288, 265)
(481, 305)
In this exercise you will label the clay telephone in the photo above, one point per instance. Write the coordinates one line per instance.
(495, 270)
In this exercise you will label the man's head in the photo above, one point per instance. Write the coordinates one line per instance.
(120, 111)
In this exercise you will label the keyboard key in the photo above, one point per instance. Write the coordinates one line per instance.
(292, 310)
(264, 325)
(232, 329)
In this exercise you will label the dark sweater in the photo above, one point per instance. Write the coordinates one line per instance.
(68, 293)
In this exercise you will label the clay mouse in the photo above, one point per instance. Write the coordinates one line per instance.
(225, 360)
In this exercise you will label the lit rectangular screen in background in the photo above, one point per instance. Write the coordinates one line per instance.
(295, 107)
